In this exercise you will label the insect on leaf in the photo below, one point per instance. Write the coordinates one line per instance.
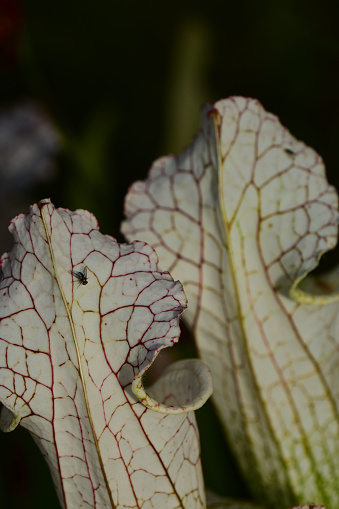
(69, 357)
(80, 276)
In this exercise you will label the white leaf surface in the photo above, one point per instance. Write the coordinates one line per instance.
(69, 353)
(241, 216)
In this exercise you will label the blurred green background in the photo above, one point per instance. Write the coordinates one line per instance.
(123, 83)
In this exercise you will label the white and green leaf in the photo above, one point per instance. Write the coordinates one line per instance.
(71, 355)
(240, 217)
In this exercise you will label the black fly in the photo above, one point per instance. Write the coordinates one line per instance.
(81, 277)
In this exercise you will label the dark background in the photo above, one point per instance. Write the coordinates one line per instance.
(123, 82)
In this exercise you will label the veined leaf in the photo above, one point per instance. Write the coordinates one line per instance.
(241, 217)
(71, 349)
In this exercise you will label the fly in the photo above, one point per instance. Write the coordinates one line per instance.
(81, 277)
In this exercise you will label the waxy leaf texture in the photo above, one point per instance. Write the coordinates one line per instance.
(70, 353)
(240, 217)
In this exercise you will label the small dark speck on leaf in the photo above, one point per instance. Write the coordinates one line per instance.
(289, 151)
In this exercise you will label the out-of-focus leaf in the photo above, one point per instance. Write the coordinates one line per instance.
(309, 506)
(28, 146)
(241, 216)
(70, 349)
(216, 502)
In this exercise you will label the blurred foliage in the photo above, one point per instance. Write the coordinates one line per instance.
(123, 83)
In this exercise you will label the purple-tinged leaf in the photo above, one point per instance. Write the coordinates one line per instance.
(240, 217)
(69, 354)
(28, 146)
